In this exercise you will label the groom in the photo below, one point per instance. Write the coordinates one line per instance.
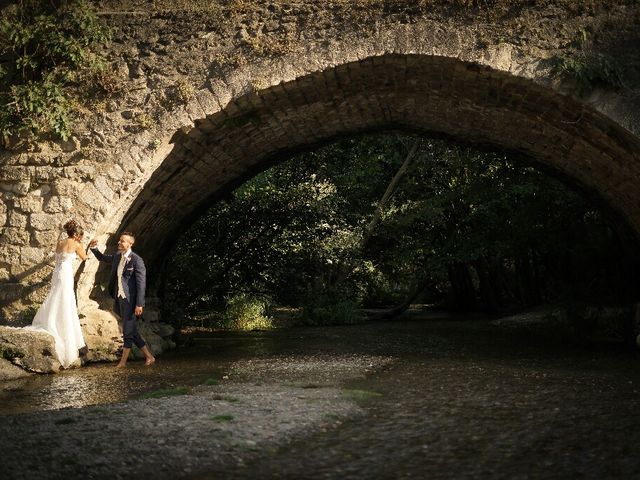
(127, 284)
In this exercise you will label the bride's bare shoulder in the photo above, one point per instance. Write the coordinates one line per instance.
(63, 245)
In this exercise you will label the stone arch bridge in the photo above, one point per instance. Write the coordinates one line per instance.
(210, 94)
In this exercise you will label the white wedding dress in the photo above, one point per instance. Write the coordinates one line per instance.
(58, 315)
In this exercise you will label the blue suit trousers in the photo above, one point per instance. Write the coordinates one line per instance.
(130, 332)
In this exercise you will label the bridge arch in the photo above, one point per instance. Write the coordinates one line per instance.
(426, 73)
(434, 95)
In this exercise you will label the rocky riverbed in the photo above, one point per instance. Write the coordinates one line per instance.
(257, 406)
(436, 398)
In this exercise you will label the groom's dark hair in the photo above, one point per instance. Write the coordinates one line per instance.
(129, 234)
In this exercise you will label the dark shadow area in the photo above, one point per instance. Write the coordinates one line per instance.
(384, 221)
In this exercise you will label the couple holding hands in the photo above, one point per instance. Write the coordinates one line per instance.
(58, 315)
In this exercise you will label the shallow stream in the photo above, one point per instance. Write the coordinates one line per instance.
(456, 399)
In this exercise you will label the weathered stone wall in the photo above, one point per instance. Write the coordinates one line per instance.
(206, 95)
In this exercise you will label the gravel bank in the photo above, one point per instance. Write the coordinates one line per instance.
(260, 405)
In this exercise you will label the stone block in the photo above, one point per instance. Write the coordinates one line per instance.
(39, 292)
(156, 343)
(31, 203)
(207, 102)
(44, 221)
(116, 173)
(164, 330)
(21, 188)
(9, 254)
(65, 187)
(70, 145)
(103, 187)
(17, 236)
(32, 255)
(91, 196)
(46, 238)
(57, 204)
(102, 335)
(79, 173)
(17, 220)
(44, 174)
(3, 213)
(4, 275)
(30, 349)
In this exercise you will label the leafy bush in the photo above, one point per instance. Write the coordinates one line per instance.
(246, 312)
(590, 70)
(46, 49)
(587, 67)
(332, 309)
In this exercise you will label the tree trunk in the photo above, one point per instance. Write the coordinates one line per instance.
(391, 188)
(525, 280)
(342, 270)
(401, 308)
(489, 285)
(463, 292)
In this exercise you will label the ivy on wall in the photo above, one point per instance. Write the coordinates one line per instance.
(46, 53)
(587, 67)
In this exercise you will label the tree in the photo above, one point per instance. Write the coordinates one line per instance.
(369, 221)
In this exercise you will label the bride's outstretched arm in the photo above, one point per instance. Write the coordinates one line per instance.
(80, 251)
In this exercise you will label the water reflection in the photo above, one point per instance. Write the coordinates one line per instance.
(472, 343)
(99, 384)
(94, 384)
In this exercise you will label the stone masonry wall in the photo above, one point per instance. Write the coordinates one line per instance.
(208, 93)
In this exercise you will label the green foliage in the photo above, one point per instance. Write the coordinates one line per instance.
(48, 47)
(169, 392)
(331, 307)
(142, 121)
(246, 312)
(464, 227)
(590, 70)
(222, 418)
(587, 67)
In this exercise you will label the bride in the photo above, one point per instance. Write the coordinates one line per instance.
(58, 315)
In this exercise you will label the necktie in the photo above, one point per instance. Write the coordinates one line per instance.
(120, 270)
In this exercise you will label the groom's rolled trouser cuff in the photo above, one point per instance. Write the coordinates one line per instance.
(130, 332)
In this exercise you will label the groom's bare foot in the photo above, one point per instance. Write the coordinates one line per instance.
(121, 365)
(150, 361)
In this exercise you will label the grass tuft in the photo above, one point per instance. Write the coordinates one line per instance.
(169, 392)
(222, 418)
(361, 395)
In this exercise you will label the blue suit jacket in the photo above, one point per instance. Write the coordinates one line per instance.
(134, 276)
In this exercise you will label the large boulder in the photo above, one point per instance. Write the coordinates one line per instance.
(9, 371)
(102, 334)
(157, 335)
(33, 350)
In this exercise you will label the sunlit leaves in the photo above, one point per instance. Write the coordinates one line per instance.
(293, 232)
(45, 45)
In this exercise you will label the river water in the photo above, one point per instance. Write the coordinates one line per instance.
(459, 399)
(465, 401)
